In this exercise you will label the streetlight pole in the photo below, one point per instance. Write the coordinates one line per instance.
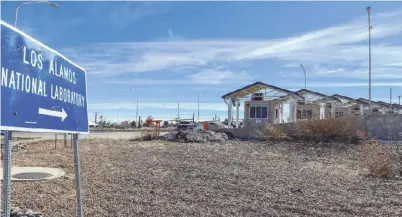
(305, 77)
(199, 95)
(305, 87)
(136, 110)
(118, 115)
(35, 2)
(369, 29)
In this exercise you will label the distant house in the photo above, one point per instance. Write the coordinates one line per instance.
(92, 124)
(124, 124)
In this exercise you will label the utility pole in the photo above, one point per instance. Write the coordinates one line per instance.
(369, 28)
(305, 76)
(96, 117)
(199, 105)
(399, 98)
(390, 96)
(305, 87)
(178, 110)
(136, 110)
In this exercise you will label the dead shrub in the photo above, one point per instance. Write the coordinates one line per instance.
(378, 159)
(148, 134)
(270, 132)
(327, 130)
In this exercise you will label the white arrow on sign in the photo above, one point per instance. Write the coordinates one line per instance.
(48, 112)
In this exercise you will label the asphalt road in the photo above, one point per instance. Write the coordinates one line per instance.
(112, 135)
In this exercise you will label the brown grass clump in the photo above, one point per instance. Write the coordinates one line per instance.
(270, 132)
(327, 130)
(148, 135)
(378, 159)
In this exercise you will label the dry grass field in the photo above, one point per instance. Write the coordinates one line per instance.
(157, 178)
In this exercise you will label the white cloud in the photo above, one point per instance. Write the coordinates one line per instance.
(131, 12)
(211, 76)
(346, 84)
(338, 48)
(165, 106)
(206, 76)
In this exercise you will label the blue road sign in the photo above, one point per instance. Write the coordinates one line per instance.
(41, 90)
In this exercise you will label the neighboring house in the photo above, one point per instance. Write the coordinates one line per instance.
(263, 103)
(350, 107)
(92, 124)
(315, 105)
(376, 108)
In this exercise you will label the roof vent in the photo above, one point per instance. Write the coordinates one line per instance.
(257, 96)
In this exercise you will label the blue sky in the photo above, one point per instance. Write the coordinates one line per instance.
(172, 51)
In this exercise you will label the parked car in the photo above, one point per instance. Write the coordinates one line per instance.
(214, 126)
(185, 125)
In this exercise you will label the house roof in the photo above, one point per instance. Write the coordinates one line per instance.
(255, 87)
(90, 123)
(326, 97)
(384, 104)
(367, 101)
(350, 99)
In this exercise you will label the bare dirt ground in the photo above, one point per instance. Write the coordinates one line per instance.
(157, 178)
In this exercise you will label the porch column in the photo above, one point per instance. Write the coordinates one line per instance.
(295, 112)
(361, 110)
(281, 113)
(237, 113)
(332, 110)
(230, 114)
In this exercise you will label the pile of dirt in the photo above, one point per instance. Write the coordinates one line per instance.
(195, 135)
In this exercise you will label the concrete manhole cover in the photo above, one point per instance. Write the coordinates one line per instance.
(32, 175)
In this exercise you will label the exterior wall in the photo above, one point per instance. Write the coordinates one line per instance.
(315, 108)
(345, 110)
(384, 127)
(272, 106)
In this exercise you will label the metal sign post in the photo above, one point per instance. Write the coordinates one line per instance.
(55, 141)
(6, 194)
(77, 176)
(41, 91)
(65, 140)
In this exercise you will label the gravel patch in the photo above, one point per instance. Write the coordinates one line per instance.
(162, 178)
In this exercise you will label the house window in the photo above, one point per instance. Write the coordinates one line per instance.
(304, 114)
(338, 114)
(252, 112)
(264, 112)
(258, 112)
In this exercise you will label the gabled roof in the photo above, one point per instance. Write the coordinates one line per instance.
(350, 99)
(367, 101)
(384, 104)
(395, 105)
(326, 97)
(255, 87)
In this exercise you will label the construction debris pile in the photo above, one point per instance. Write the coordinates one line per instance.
(195, 135)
